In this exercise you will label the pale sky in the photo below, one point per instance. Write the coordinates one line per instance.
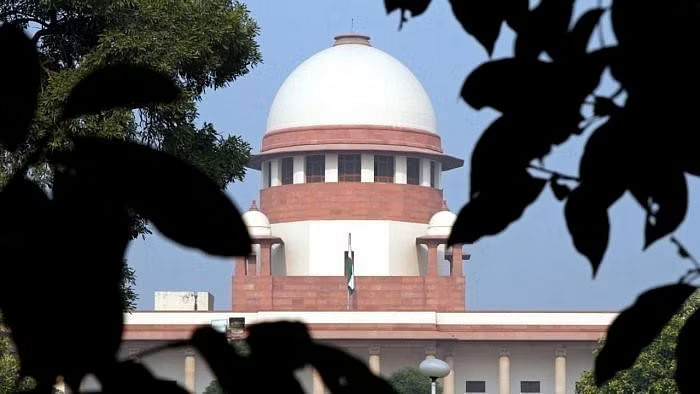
(531, 266)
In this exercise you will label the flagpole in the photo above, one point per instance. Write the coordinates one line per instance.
(347, 305)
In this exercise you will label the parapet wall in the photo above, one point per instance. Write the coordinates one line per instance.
(329, 293)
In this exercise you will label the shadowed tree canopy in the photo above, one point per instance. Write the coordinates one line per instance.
(654, 369)
(409, 380)
(199, 44)
(642, 139)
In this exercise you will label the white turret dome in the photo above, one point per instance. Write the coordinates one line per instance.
(257, 222)
(351, 83)
(441, 223)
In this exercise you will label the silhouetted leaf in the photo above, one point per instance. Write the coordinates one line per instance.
(637, 326)
(124, 377)
(491, 210)
(344, 374)
(560, 191)
(664, 194)
(601, 169)
(232, 371)
(577, 40)
(545, 29)
(182, 202)
(588, 224)
(129, 86)
(604, 106)
(416, 7)
(687, 352)
(483, 18)
(19, 85)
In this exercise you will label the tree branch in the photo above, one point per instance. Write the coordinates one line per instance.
(555, 173)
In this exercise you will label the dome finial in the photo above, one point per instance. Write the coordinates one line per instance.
(351, 38)
(444, 206)
(253, 206)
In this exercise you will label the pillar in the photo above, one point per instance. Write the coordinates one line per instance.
(560, 371)
(265, 259)
(375, 360)
(240, 266)
(331, 174)
(504, 372)
(190, 373)
(367, 167)
(432, 269)
(317, 383)
(430, 351)
(275, 178)
(400, 169)
(425, 172)
(299, 170)
(250, 266)
(456, 260)
(448, 384)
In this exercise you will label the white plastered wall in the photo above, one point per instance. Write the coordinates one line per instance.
(381, 247)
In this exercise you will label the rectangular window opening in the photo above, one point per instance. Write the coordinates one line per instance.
(433, 181)
(476, 386)
(349, 168)
(530, 386)
(412, 171)
(315, 169)
(287, 170)
(384, 169)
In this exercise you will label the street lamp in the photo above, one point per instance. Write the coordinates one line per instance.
(434, 369)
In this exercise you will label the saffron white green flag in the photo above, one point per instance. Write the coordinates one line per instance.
(349, 271)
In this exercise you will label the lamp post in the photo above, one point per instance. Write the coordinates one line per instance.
(434, 369)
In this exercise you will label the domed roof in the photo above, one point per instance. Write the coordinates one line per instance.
(351, 83)
(441, 223)
(257, 222)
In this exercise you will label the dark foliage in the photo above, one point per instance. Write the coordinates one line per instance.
(84, 228)
(645, 142)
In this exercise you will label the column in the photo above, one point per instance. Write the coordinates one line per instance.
(375, 360)
(299, 169)
(265, 260)
(432, 269)
(317, 383)
(425, 172)
(331, 167)
(430, 351)
(190, 372)
(456, 260)
(367, 167)
(251, 269)
(400, 170)
(240, 266)
(275, 179)
(504, 372)
(438, 176)
(560, 371)
(448, 384)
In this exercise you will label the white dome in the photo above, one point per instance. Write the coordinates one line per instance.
(351, 83)
(441, 223)
(257, 223)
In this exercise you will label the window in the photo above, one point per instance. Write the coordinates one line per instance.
(268, 180)
(412, 171)
(476, 386)
(315, 168)
(384, 169)
(433, 181)
(349, 168)
(287, 170)
(530, 386)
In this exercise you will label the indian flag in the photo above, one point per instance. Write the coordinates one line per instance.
(349, 270)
